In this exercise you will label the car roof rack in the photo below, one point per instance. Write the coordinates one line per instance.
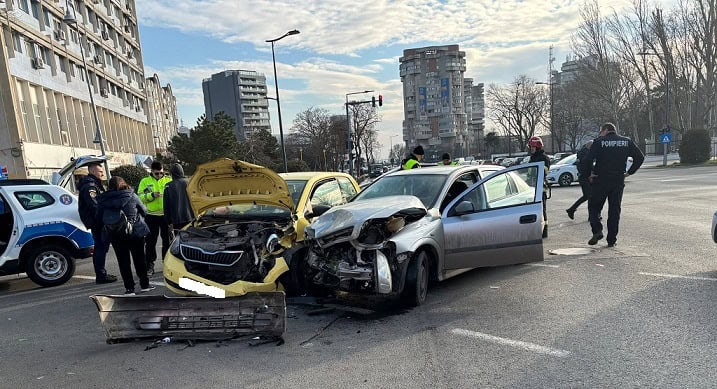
(29, 181)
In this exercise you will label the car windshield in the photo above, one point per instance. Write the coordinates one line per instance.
(296, 188)
(426, 187)
(248, 212)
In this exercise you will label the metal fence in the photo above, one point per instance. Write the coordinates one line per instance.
(674, 147)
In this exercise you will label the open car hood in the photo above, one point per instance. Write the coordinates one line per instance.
(354, 214)
(230, 182)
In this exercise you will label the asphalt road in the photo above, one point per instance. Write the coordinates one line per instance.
(639, 315)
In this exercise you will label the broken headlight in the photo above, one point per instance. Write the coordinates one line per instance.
(174, 248)
(379, 230)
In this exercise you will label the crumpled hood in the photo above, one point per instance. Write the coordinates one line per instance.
(354, 214)
(229, 182)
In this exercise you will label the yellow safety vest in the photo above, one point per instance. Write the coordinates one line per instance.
(410, 164)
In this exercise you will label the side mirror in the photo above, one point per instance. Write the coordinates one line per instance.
(318, 211)
(464, 207)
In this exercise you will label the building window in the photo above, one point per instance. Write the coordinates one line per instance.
(38, 122)
(17, 42)
(74, 36)
(23, 109)
(49, 120)
(48, 19)
(35, 9)
(23, 5)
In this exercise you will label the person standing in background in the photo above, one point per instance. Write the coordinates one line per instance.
(177, 208)
(90, 186)
(151, 190)
(585, 167)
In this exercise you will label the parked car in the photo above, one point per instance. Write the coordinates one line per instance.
(562, 155)
(417, 225)
(247, 216)
(41, 233)
(564, 172)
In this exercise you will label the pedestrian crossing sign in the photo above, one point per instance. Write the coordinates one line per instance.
(666, 138)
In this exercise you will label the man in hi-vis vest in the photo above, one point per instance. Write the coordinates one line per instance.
(413, 161)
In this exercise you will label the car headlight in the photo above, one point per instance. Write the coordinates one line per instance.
(174, 248)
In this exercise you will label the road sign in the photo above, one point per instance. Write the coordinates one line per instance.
(666, 138)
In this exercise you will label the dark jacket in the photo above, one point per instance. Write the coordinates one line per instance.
(610, 153)
(90, 187)
(540, 156)
(130, 204)
(177, 208)
(585, 164)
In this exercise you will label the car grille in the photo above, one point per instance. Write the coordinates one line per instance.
(219, 258)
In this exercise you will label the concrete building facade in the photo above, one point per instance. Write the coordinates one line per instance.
(241, 94)
(434, 104)
(45, 111)
(474, 103)
(162, 113)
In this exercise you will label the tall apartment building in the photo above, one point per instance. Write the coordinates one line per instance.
(45, 111)
(162, 113)
(474, 102)
(434, 106)
(241, 94)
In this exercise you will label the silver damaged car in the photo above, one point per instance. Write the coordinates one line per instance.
(414, 226)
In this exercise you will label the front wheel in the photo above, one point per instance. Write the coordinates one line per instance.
(416, 287)
(49, 265)
(565, 179)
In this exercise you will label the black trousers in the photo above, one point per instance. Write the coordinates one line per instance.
(99, 255)
(134, 247)
(586, 188)
(157, 227)
(611, 191)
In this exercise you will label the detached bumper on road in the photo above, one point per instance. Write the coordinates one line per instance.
(196, 318)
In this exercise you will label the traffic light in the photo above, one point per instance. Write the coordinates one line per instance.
(380, 101)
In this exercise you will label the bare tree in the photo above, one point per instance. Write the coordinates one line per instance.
(398, 152)
(600, 69)
(363, 121)
(519, 108)
(312, 131)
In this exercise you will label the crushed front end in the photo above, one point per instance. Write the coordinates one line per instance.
(361, 248)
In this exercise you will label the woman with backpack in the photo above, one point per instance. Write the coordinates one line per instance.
(122, 215)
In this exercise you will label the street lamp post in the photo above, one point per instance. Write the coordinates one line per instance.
(278, 104)
(552, 133)
(71, 18)
(390, 150)
(349, 144)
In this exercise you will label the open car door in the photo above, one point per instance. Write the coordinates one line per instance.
(497, 221)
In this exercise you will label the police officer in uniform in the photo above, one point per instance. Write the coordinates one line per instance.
(610, 152)
(90, 187)
(537, 154)
(414, 159)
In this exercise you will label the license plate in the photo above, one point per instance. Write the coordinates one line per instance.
(201, 288)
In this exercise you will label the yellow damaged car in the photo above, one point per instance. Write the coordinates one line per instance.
(244, 221)
(247, 215)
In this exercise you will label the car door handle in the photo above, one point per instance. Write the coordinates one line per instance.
(527, 219)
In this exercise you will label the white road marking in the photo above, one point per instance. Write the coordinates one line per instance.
(513, 343)
(678, 276)
(540, 265)
(675, 179)
(84, 277)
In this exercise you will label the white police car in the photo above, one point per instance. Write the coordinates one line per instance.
(41, 233)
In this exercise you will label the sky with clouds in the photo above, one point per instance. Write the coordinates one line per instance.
(347, 45)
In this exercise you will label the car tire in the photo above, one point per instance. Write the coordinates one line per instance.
(49, 265)
(565, 179)
(416, 286)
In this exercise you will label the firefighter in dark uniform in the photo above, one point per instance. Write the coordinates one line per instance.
(537, 154)
(414, 159)
(610, 152)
